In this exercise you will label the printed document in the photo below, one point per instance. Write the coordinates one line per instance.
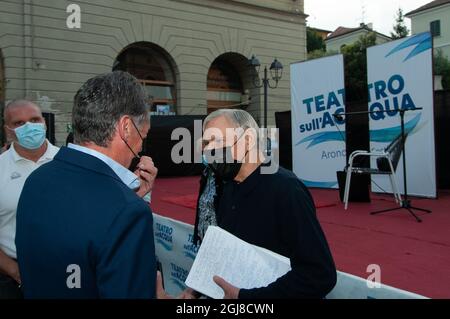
(238, 262)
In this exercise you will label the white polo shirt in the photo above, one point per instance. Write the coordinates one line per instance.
(14, 170)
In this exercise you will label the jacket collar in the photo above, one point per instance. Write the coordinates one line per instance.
(126, 176)
(86, 161)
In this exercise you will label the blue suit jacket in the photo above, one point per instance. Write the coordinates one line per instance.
(76, 211)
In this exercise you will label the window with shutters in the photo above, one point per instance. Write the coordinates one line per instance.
(435, 28)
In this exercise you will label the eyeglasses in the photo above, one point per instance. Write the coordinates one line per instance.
(135, 126)
(220, 142)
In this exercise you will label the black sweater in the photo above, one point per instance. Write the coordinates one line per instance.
(277, 212)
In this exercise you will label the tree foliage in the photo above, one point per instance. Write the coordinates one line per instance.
(355, 64)
(316, 54)
(314, 41)
(442, 67)
(400, 29)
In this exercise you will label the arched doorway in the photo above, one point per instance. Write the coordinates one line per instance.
(227, 85)
(156, 71)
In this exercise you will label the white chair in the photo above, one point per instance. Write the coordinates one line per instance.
(387, 161)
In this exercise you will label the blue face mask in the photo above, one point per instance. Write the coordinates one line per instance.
(204, 160)
(30, 135)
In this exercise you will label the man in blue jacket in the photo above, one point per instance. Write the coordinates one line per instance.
(83, 230)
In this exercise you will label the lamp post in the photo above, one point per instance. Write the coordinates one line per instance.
(276, 72)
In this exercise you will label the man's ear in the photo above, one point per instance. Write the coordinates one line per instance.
(8, 133)
(123, 128)
(250, 138)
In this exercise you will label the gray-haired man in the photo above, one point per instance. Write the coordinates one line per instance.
(273, 210)
(82, 231)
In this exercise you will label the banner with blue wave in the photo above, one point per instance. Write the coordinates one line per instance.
(175, 249)
(385, 135)
(317, 89)
(400, 77)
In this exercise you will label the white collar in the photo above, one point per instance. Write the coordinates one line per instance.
(48, 155)
(126, 176)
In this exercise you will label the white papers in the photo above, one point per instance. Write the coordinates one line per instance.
(238, 262)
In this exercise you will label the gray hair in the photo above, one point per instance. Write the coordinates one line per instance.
(102, 101)
(239, 118)
(18, 103)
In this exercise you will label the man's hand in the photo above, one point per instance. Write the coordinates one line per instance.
(160, 292)
(189, 293)
(14, 273)
(146, 171)
(10, 267)
(231, 292)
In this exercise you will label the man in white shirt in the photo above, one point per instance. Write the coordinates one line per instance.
(25, 127)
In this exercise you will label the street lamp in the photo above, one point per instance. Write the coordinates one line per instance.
(276, 72)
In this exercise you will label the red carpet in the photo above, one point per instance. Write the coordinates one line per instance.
(188, 201)
(413, 256)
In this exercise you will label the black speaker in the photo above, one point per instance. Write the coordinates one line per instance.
(50, 122)
(283, 123)
(359, 187)
(159, 144)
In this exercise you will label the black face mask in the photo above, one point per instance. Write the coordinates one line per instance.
(226, 171)
(136, 159)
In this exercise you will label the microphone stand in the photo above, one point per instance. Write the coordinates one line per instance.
(405, 202)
